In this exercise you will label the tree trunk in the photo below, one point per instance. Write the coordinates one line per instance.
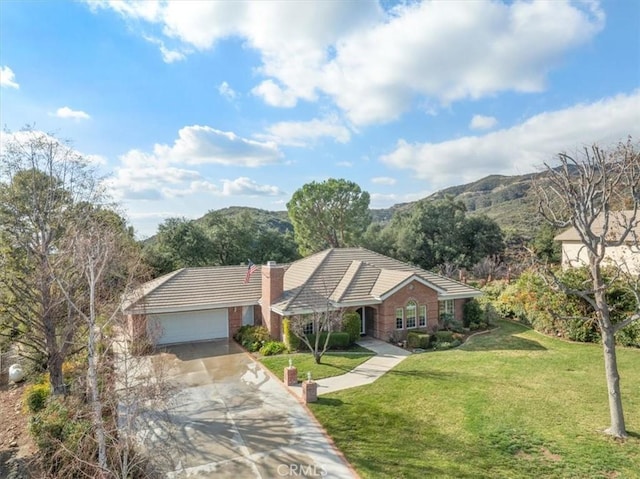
(617, 427)
(317, 356)
(92, 379)
(56, 378)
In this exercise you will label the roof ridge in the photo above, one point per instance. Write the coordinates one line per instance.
(358, 265)
(327, 253)
(140, 293)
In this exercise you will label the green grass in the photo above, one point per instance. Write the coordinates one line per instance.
(333, 364)
(508, 404)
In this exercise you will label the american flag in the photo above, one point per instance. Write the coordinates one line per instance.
(250, 270)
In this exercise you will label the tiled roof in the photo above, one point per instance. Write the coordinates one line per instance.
(341, 276)
(198, 288)
(616, 221)
(354, 275)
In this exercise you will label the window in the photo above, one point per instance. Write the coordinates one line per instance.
(411, 314)
(399, 318)
(447, 310)
(308, 328)
(422, 319)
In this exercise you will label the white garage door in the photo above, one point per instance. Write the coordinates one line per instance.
(171, 328)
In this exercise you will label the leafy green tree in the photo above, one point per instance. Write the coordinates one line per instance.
(180, 243)
(438, 232)
(330, 214)
(544, 247)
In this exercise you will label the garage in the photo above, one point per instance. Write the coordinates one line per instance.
(170, 328)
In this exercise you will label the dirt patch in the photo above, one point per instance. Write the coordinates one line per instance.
(549, 455)
(18, 458)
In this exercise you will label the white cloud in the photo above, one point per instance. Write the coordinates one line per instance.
(375, 65)
(521, 148)
(481, 122)
(274, 95)
(246, 186)
(383, 180)
(345, 164)
(305, 133)
(226, 91)
(174, 171)
(8, 78)
(66, 112)
(205, 145)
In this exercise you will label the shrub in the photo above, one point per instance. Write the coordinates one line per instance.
(271, 348)
(55, 423)
(351, 326)
(252, 338)
(443, 336)
(629, 335)
(291, 341)
(35, 396)
(579, 330)
(418, 340)
(337, 340)
(443, 345)
(472, 313)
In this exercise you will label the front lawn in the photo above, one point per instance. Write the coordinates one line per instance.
(333, 363)
(509, 403)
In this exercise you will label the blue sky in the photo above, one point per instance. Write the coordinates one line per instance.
(193, 106)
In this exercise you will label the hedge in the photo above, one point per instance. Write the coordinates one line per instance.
(337, 340)
(418, 340)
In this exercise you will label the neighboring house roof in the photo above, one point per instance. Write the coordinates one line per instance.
(343, 276)
(190, 289)
(351, 276)
(616, 221)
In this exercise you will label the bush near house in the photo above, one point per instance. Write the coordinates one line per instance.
(290, 340)
(252, 338)
(337, 340)
(271, 348)
(351, 325)
(472, 313)
(418, 340)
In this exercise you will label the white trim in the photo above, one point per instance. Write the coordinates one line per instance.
(442, 297)
(410, 279)
(195, 307)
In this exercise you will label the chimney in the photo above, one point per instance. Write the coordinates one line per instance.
(272, 288)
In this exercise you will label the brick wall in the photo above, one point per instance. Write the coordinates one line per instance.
(386, 315)
(272, 288)
(235, 320)
(458, 309)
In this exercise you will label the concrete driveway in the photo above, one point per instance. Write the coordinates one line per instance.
(229, 419)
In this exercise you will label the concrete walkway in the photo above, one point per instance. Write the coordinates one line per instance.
(387, 357)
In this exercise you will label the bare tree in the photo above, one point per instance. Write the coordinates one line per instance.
(598, 193)
(41, 178)
(320, 321)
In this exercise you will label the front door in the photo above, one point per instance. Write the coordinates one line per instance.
(362, 312)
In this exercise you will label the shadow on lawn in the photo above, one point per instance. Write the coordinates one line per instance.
(502, 338)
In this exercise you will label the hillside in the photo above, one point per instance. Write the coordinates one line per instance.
(509, 200)
(506, 199)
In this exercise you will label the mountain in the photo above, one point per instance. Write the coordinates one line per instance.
(509, 200)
